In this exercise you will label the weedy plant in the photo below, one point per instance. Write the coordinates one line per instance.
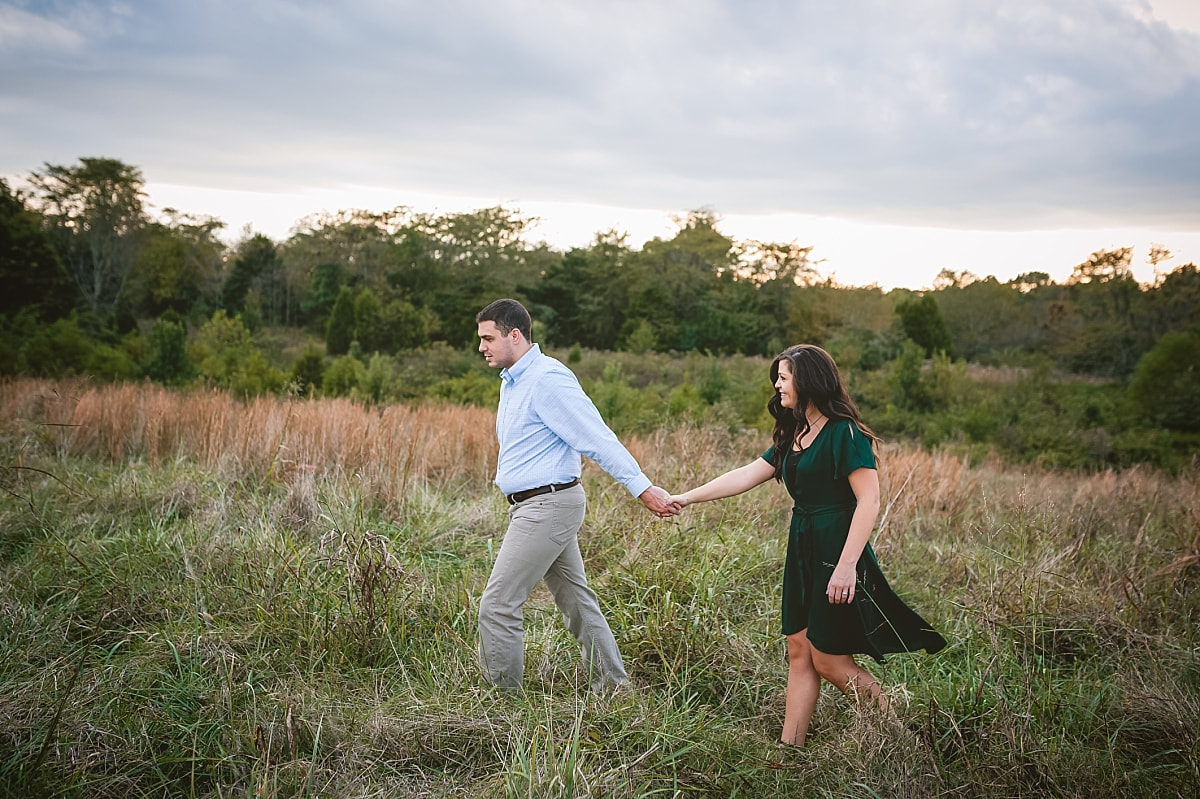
(273, 598)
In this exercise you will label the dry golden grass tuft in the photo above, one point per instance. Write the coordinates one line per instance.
(390, 451)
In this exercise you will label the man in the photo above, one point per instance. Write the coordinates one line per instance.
(544, 422)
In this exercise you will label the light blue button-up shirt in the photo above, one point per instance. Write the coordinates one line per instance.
(546, 421)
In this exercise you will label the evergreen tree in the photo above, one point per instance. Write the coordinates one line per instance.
(257, 258)
(339, 331)
(922, 322)
(327, 283)
(168, 340)
(367, 319)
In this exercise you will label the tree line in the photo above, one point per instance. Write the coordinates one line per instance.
(94, 283)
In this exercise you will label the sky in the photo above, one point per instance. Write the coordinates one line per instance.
(897, 138)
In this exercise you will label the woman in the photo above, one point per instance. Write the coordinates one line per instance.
(836, 602)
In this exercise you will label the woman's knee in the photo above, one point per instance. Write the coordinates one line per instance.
(799, 652)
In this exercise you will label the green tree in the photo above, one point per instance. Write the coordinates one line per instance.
(360, 242)
(762, 262)
(482, 255)
(169, 361)
(308, 371)
(1095, 328)
(674, 282)
(339, 331)
(343, 377)
(642, 339)
(983, 316)
(921, 320)
(584, 296)
(57, 350)
(65, 348)
(368, 317)
(1173, 304)
(225, 355)
(378, 377)
(30, 270)
(1166, 383)
(326, 284)
(405, 327)
(912, 388)
(178, 265)
(97, 215)
(256, 258)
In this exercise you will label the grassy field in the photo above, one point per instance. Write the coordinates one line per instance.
(204, 597)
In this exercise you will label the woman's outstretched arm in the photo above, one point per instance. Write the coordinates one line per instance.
(733, 482)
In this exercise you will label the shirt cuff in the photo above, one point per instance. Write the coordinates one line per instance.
(638, 485)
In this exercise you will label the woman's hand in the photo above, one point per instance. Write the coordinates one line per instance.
(680, 500)
(841, 585)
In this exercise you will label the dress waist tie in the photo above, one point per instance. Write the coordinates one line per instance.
(813, 511)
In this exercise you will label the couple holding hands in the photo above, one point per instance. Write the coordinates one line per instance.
(836, 602)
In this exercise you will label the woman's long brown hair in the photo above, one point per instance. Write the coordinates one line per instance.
(817, 383)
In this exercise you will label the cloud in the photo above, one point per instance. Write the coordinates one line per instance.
(25, 32)
(982, 115)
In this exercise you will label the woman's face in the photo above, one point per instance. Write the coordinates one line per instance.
(785, 385)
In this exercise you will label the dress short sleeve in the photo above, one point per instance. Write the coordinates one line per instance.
(851, 449)
(769, 455)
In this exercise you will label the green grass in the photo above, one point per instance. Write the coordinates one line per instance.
(224, 631)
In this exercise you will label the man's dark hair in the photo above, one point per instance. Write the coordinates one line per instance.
(507, 315)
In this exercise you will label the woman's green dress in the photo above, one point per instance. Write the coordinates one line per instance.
(876, 622)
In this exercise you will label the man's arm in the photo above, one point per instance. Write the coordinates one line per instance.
(563, 407)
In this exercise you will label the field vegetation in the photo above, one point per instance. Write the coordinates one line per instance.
(215, 596)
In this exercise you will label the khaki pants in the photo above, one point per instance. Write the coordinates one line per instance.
(542, 543)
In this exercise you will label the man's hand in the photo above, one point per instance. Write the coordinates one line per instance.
(658, 501)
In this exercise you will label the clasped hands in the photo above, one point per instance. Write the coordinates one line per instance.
(660, 503)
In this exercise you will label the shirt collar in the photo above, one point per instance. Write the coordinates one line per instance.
(522, 365)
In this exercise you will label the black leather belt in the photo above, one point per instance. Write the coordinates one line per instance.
(521, 496)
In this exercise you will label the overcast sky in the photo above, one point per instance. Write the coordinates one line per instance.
(897, 137)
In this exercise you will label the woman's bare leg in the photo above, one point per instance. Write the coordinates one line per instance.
(851, 679)
(803, 689)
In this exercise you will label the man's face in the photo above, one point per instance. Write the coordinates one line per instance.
(499, 350)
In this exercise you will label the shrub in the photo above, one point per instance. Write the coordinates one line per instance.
(225, 356)
(308, 373)
(377, 381)
(343, 377)
(1166, 383)
(168, 345)
(60, 349)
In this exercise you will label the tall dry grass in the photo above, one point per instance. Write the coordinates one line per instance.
(390, 451)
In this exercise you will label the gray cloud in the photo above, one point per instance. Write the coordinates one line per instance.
(994, 115)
